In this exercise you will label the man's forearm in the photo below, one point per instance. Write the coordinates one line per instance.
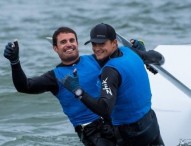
(98, 106)
(150, 57)
(19, 78)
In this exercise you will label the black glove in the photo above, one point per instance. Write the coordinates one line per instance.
(155, 57)
(138, 44)
(71, 82)
(11, 52)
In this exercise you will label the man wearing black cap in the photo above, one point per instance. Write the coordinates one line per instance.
(125, 91)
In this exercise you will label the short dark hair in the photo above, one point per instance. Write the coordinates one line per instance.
(62, 30)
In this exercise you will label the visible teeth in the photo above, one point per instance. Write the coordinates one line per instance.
(69, 50)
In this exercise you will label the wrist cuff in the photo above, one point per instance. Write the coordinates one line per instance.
(15, 62)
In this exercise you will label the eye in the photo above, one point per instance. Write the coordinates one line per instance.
(102, 44)
(93, 44)
(98, 45)
(72, 40)
(63, 42)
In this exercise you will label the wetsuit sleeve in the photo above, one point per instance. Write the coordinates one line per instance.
(150, 57)
(110, 80)
(34, 85)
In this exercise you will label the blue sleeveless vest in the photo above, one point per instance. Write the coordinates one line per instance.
(88, 70)
(134, 94)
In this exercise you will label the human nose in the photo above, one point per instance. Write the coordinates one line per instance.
(95, 46)
(68, 43)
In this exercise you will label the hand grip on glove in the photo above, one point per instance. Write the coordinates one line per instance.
(11, 52)
(138, 44)
(71, 82)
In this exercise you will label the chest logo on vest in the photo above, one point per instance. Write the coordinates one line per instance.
(105, 86)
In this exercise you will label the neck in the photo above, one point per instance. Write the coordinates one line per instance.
(116, 53)
(68, 63)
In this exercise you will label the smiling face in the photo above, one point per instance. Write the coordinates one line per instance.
(67, 48)
(104, 50)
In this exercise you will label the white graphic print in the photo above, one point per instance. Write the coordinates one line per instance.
(105, 87)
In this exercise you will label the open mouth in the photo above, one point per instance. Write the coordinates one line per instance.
(98, 53)
(69, 50)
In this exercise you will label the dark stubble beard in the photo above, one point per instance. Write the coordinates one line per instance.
(71, 58)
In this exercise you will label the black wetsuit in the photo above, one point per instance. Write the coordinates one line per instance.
(48, 82)
(143, 132)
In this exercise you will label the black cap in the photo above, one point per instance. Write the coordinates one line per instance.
(101, 33)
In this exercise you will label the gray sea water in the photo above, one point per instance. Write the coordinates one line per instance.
(38, 120)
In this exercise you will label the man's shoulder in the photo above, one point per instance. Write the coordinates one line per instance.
(59, 65)
(88, 57)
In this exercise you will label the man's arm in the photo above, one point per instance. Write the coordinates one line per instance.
(46, 82)
(34, 85)
(103, 106)
(110, 80)
(149, 57)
